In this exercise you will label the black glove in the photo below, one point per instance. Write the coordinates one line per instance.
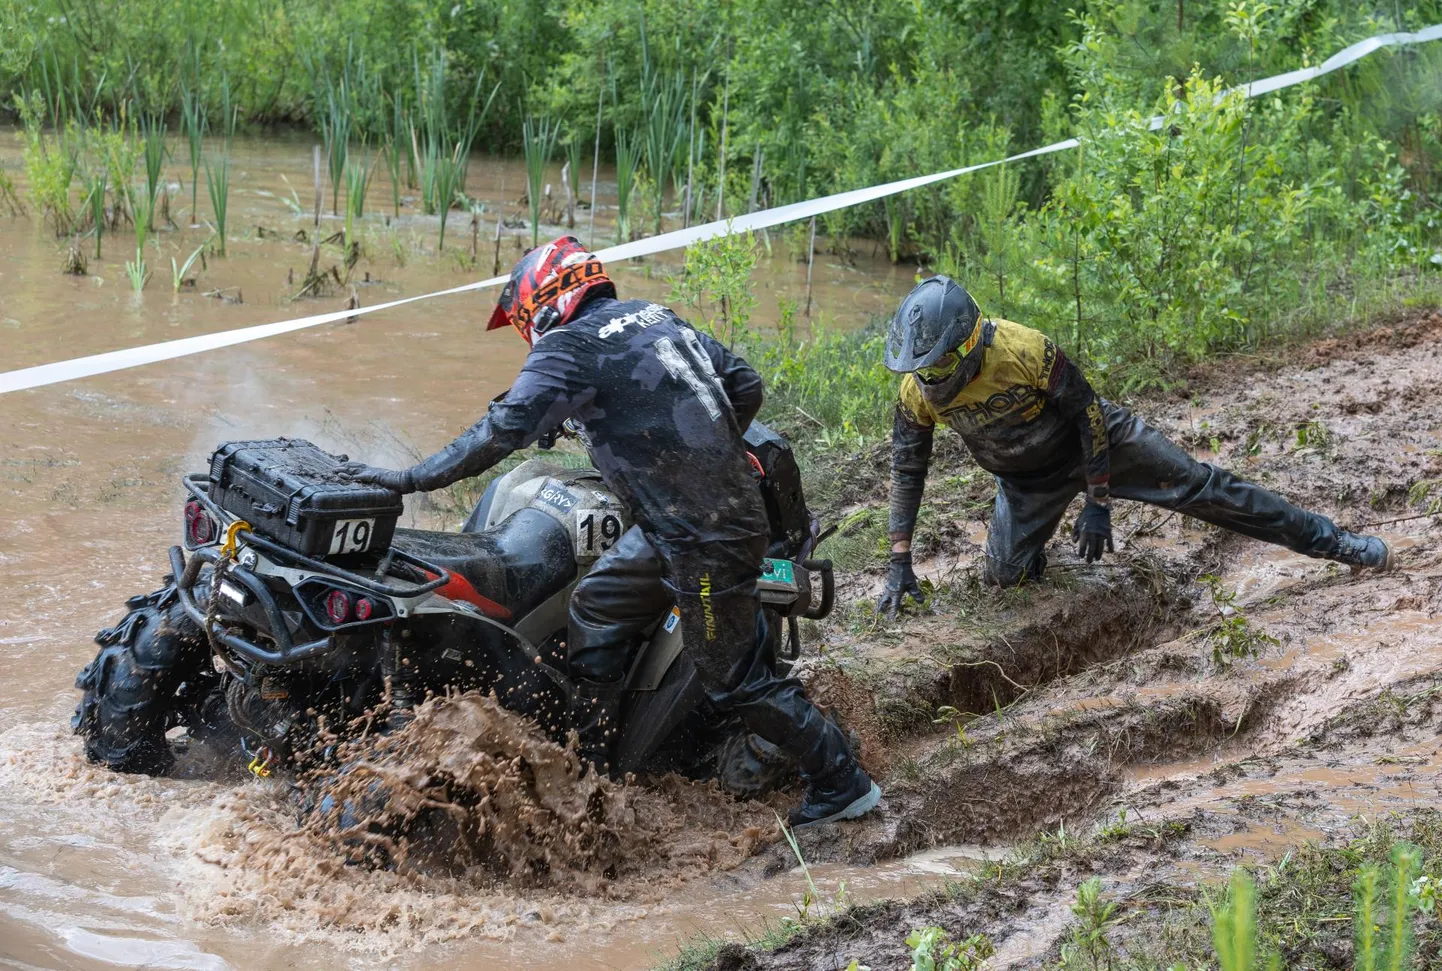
(900, 581)
(392, 479)
(1093, 531)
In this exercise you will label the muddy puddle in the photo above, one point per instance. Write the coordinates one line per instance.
(106, 871)
(1331, 723)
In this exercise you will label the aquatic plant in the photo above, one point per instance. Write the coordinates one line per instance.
(50, 166)
(142, 209)
(664, 132)
(217, 184)
(393, 148)
(93, 183)
(136, 272)
(628, 158)
(441, 143)
(538, 139)
(193, 123)
(357, 182)
(8, 196)
(179, 273)
(154, 152)
(442, 150)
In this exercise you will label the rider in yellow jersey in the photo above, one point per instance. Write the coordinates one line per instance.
(1030, 417)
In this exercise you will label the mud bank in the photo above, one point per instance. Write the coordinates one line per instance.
(1203, 701)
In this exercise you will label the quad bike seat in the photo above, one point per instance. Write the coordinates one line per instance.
(507, 570)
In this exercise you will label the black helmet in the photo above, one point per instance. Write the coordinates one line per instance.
(936, 317)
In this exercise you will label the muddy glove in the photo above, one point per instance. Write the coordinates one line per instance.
(1093, 531)
(392, 479)
(900, 581)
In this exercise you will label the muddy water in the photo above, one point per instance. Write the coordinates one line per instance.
(103, 871)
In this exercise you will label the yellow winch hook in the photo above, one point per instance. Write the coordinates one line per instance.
(231, 531)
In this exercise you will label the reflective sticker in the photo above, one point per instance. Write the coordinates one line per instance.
(672, 619)
(556, 496)
(778, 571)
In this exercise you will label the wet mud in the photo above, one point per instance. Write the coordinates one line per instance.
(1097, 695)
(1098, 711)
(210, 868)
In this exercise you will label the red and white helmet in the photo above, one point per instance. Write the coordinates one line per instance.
(547, 286)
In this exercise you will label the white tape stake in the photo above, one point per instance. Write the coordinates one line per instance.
(83, 367)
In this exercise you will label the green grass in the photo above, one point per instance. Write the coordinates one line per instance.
(1373, 895)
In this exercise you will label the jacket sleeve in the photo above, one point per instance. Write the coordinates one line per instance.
(1071, 393)
(741, 383)
(912, 432)
(546, 392)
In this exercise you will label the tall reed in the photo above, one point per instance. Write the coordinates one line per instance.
(628, 159)
(393, 148)
(193, 122)
(538, 141)
(442, 150)
(217, 175)
(217, 183)
(335, 124)
(664, 110)
(154, 152)
(93, 181)
(357, 182)
(142, 208)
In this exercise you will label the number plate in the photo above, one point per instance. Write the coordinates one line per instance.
(596, 532)
(352, 535)
(779, 571)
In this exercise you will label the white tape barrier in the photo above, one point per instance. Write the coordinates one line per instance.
(83, 367)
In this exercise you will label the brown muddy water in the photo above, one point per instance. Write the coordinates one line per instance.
(104, 871)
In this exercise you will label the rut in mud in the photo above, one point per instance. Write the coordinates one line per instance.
(1227, 699)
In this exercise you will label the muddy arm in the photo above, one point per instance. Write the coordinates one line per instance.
(1075, 398)
(910, 457)
(741, 383)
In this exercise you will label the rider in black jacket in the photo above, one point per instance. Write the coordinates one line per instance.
(662, 409)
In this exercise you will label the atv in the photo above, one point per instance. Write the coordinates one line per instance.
(297, 611)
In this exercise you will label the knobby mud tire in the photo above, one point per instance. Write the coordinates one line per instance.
(129, 692)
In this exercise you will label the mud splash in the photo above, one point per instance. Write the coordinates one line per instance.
(468, 787)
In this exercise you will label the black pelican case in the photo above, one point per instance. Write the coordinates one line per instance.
(781, 490)
(289, 490)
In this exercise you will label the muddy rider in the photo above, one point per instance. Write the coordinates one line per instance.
(1029, 417)
(655, 401)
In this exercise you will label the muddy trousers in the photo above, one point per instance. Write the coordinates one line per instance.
(633, 584)
(1147, 467)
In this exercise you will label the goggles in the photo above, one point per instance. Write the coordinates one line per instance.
(944, 367)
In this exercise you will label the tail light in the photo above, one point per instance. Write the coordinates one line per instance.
(200, 529)
(363, 609)
(337, 607)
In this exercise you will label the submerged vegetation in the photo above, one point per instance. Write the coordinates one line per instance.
(1231, 222)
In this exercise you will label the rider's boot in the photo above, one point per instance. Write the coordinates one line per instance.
(593, 714)
(1362, 552)
(846, 794)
